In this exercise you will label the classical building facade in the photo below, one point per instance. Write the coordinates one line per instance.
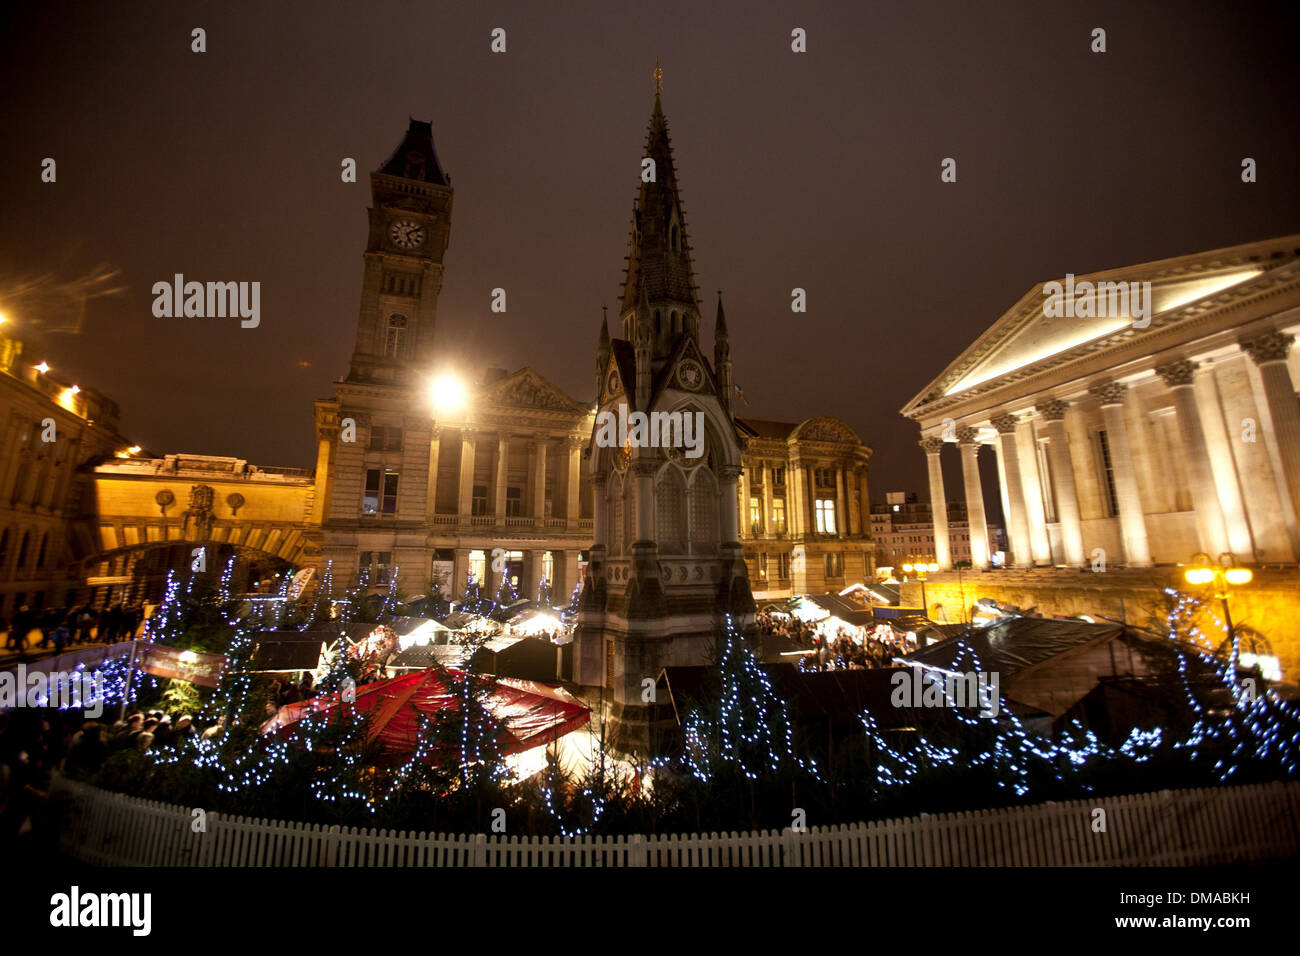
(51, 430)
(666, 561)
(902, 529)
(490, 487)
(804, 507)
(1139, 435)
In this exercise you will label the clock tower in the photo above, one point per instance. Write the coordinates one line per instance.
(410, 224)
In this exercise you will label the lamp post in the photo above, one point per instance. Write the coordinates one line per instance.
(1221, 573)
(921, 568)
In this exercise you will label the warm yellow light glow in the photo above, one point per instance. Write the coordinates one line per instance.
(43, 367)
(1198, 575)
(133, 450)
(907, 569)
(1239, 575)
(932, 567)
(75, 390)
(447, 393)
(3, 319)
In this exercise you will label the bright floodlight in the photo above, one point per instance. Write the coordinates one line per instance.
(1239, 575)
(907, 569)
(447, 393)
(933, 567)
(43, 367)
(1199, 575)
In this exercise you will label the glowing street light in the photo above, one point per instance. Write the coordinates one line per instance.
(1220, 574)
(447, 393)
(921, 568)
(43, 367)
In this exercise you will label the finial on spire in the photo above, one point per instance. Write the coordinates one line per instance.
(659, 78)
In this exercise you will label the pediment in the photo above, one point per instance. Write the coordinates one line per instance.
(528, 389)
(1057, 321)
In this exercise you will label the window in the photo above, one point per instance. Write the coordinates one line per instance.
(825, 511)
(783, 566)
(778, 476)
(381, 492)
(22, 550)
(755, 514)
(478, 501)
(385, 438)
(762, 565)
(477, 566)
(778, 515)
(514, 502)
(1110, 499)
(755, 475)
(396, 332)
(41, 552)
(377, 565)
(834, 565)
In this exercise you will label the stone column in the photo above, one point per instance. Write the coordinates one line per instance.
(1205, 496)
(855, 500)
(841, 513)
(644, 472)
(979, 529)
(431, 484)
(938, 503)
(535, 568)
(727, 523)
(599, 513)
(743, 501)
(1132, 522)
(1223, 464)
(503, 464)
(768, 529)
(794, 508)
(459, 569)
(539, 482)
(1269, 352)
(1009, 469)
(573, 501)
(1067, 498)
(466, 495)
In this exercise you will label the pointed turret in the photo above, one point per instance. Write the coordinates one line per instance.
(659, 269)
(722, 358)
(602, 351)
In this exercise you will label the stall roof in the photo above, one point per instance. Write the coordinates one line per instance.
(846, 610)
(1015, 644)
(284, 651)
(420, 657)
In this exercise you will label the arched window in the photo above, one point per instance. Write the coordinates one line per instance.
(658, 328)
(670, 511)
(22, 550)
(396, 332)
(40, 554)
(704, 512)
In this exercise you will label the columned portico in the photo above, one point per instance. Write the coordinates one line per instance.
(938, 502)
(1269, 352)
(1009, 469)
(979, 530)
(1178, 376)
(1067, 499)
(1133, 527)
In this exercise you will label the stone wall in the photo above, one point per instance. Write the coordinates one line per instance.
(1269, 604)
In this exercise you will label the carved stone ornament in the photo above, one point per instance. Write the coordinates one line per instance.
(932, 446)
(1110, 393)
(690, 376)
(1005, 424)
(1177, 373)
(1053, 411)
(966, 435)
(1269, 347)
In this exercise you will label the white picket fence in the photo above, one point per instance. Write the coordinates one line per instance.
(1217, 825)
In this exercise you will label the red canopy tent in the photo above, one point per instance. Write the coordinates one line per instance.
(529, 714)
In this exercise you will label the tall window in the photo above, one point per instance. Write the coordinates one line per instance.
(385, 438)
(825, 512)
(834, 564)
(380, 497)
(778, 515)
(778, 475)
(755, 514)
(396, 333)
(1045, 482)
(514, 502)
(378, 564)
(1109, 496)
(783, 566)
(762, 566)
(478, 502)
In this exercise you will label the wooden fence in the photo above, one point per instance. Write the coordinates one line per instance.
(1217, 825)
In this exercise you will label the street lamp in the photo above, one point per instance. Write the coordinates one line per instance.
(1220, 574)
(921, 568)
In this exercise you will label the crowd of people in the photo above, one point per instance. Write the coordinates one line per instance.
(34, 744)
(840, 650)
(63, 627)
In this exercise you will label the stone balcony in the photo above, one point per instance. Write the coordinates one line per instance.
(513, 524)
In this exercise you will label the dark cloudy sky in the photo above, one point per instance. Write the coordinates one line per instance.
(818, 170)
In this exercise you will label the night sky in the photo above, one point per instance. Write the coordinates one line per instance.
(817, 170)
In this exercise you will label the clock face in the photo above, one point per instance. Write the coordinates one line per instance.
(407, 234)
(690, 375)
